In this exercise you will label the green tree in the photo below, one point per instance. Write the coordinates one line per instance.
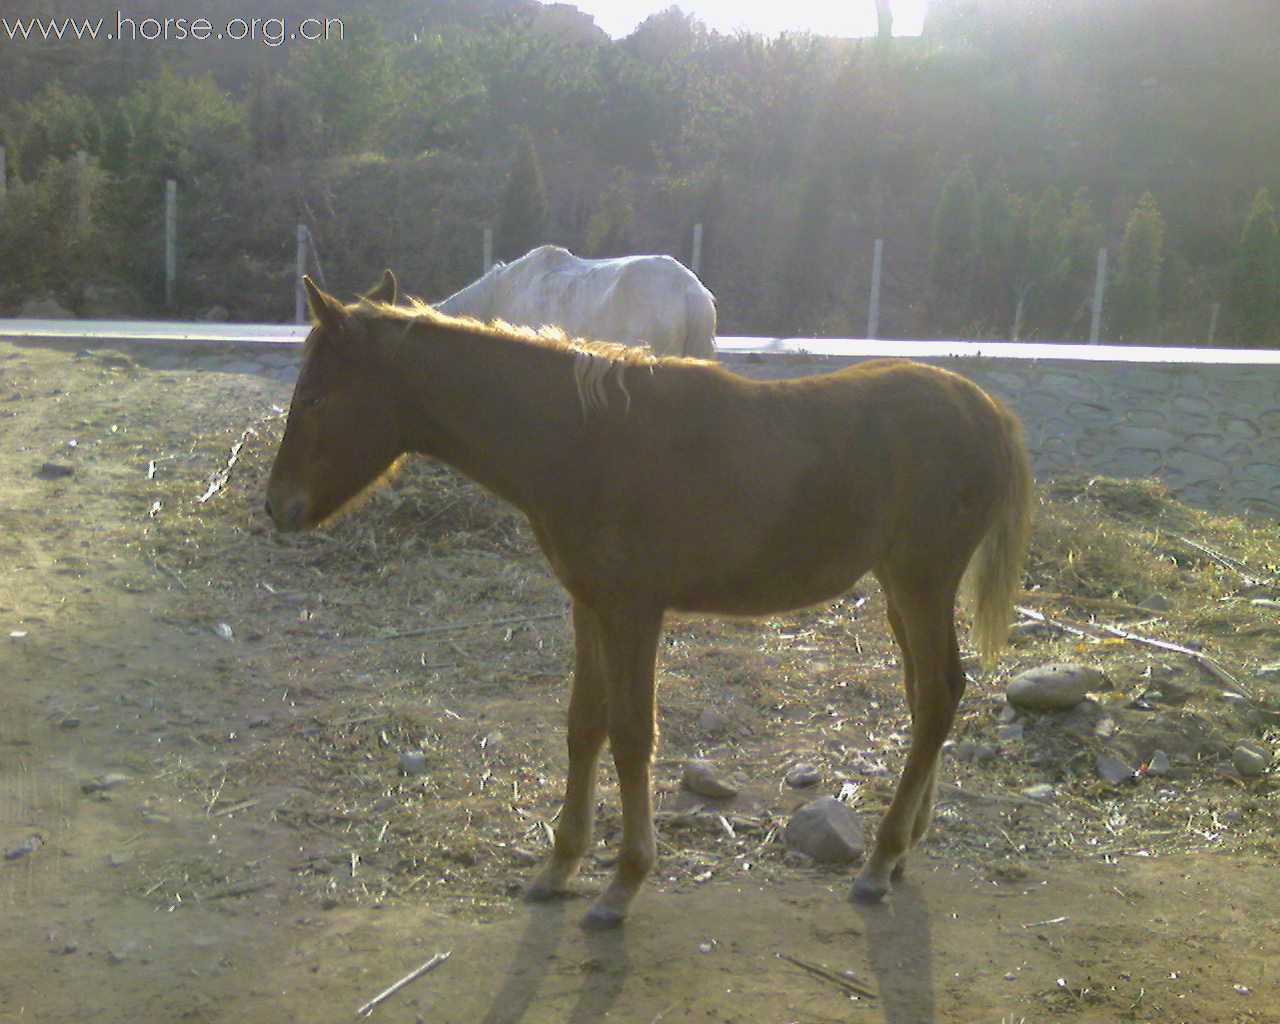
(1075, 251)
(609, 229)
(51, 235)
(1137, 293)
(348, 84)
(1255, 275)
(995, 274)
(523, 212)
(954, 248)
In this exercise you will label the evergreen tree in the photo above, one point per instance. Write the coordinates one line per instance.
(1069, 286)
(1255, 275)
(609, 229)
(523, 213)
(995, 277)
(1137, 293)
(954, 249)
(118, 140)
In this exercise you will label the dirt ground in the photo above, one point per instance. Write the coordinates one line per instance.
(206, 816)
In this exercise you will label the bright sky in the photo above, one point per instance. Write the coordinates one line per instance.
(763, 17)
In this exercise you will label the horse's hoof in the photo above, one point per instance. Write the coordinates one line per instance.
(539, 891)
(599, 919)
(869, 892)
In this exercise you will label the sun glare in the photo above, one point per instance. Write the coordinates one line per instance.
(847, 18)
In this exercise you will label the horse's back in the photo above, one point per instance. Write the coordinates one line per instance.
(643, 299)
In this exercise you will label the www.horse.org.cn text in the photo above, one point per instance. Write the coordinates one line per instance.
(272, 31)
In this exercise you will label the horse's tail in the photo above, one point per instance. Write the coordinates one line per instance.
(700, 324)
(995, 573)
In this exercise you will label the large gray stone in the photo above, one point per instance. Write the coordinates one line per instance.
(1058, 686)
(826, 830)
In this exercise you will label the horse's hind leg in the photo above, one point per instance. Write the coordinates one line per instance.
(923, 621)
(588, 724)
(631, 647)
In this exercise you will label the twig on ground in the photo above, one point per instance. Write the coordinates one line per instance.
(1227, 562)
(1102, 630)
(220, 479)
(395, 987)
(515, 620)
(843, 981)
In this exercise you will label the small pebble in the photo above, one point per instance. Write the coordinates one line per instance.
(1113, 770)
(713, 721)
(1251, 759)
(802, 775)
(1159, 763)
(413, 762)
(23, 847)
(54, 471)
(700, 777)
(1040, 791)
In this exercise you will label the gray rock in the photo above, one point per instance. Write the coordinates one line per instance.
(803, 775)
(826, 830)
(700, 777)
(1251, 759)
(1011, 733)
(23, 847)
(1059, 686)
(55, 471)
(968, 750)
(1113, 770)
(1159, 763)
(413, 762)
(102, 783)
(713, 721)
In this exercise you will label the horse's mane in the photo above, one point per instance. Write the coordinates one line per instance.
(593, 361)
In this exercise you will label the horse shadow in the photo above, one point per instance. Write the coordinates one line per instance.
(900, 954)
(546, 932)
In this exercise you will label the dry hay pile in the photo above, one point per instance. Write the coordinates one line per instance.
(427, 623)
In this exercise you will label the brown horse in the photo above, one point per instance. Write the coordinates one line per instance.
(655, 484)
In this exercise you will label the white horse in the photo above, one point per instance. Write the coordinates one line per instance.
(634, 300)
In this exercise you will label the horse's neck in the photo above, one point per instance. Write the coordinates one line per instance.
(503, 412)
(475, 300)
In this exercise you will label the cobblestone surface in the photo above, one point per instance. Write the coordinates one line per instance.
(1210, 432)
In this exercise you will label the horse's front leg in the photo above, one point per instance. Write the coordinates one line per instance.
(631, 648)
(588, 726)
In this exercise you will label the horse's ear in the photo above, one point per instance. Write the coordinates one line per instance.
(326, 311)
(387, 290)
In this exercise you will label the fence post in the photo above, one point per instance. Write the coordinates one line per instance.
(1213, 322)
(170, 242)
(1099, 289)
(299, 296)
(3, 178)
(873, 309)
(486, 251)
(695, 261)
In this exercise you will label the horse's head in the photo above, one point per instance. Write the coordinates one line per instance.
(342, 434)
